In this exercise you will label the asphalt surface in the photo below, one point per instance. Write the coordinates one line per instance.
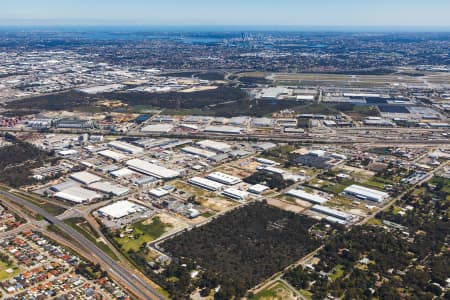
(132, 282)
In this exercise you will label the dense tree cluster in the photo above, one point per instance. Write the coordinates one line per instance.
(17, 160)
(236, 251)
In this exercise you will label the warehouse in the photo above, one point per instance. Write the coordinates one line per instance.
(223, 129)
(331, 212)
(224, 178)
(64, 185)
(206, 184)
(109, 188)
(78, 195)
(121, 209)
(214, 146)
(258, 189)
(198, 152)
(300, 194)
(364, 193)
(85, 177)
(126, 147)
(147, 168)
(157, 128)
(158, 193)
(116, 156)
(235, 194)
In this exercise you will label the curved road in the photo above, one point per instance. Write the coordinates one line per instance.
(132, 282)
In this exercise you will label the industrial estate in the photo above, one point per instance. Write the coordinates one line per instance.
(255, 167)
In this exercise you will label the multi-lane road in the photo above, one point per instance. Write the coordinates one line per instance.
(125, 277)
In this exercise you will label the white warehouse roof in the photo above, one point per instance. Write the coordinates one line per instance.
(85, 177)
(114, 155)
(152, 169)
(235, 194)
(316, 199)
(366, 193)
(224, 129)
(108, 187)
(121, 209)
(206, 183)
(155, 128)
(258, 189)
(331, 212)
(199, 152)
(126, 147)
(78, 195)
(213, 145)
(224, 178)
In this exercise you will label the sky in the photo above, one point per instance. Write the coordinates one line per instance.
(357, 13)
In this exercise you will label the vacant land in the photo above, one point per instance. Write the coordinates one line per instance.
(141, 233)
(245, 246)
(277, 291)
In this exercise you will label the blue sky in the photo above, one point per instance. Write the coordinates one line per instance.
(417, 13)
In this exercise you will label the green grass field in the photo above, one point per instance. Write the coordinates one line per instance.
(4, 274)
(142, 234)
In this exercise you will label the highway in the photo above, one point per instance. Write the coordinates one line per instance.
(129, 280)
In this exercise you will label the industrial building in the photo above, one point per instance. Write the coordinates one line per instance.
(235, 194)
(85, 177)
(147, 168)
(364, 193)
(331, 212)
(158, 128)
(158, 193)
(258, 189)
(214, 146)
(300, 194)
(198, 152)
(116, 156)
(126, 147)
(224, 178)
(109, 188)
(223, 129)
(121, 209)
(206, 184)
(78, 195)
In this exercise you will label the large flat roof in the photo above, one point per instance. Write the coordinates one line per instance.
(217, 146)
(152, 169)
(85, 177)
(78, 195)
(126, 147)
(316, 199)
(108, 187)
(121, 209)
(224, 178)
(365, 192)
(114, 155)
(206, 183)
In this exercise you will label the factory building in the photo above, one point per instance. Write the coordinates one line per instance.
(223, 129)
(235, 194)
(109, 188)
(198, 152)
(224, 178)
(214, 146)
(78, 195)
(331, 212)
(121, 209)
(206, 184)
(300, 194)
(126, 147)
(364, 193)
(116, 156)
(150, 169)
(85, 177)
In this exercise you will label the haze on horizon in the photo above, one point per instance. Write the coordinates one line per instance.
(355, 13)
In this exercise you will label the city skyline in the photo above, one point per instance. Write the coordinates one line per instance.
(322, 13)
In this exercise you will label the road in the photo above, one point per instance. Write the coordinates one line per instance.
(129, 280)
